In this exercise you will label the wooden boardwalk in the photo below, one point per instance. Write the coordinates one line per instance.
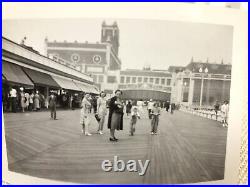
(188, 149)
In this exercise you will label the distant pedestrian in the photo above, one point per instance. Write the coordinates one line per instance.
(31, 101)
(52, 105)
(172, 108)
(85, 115)
(167, 105)
(150, 108)
(128, 108)
(134, 116)
(156, 111)
(13, 100)
(27, 99)
(22, 99)
(37, 101)
(216, 109)
(224, 113)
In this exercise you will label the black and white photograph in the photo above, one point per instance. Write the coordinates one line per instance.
(113, 100)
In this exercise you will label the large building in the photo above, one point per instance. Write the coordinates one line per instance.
(100, 60)
(146, 84)
(24, 67)
(202, 83)
(180, 84)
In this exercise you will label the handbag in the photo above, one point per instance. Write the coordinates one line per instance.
(97, 117)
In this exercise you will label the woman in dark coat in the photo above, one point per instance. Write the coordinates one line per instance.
(128, 108)
(115, 119)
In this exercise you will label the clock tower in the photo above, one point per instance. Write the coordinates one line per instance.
(110, 34)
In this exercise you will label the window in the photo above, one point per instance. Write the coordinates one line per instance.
(145, 80)
(94, 78)
(134, 80)
(122, 80)
(127, 79)
(111, 79)
(151, 80)
(162, 81)
(168, 81)
(101, 78)
(139, 79)
(157, 81)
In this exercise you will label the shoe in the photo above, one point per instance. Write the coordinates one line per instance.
(155, 133)
(112, 140)
(115, 139)
(88, 134)
(100, 132)
(152, 133)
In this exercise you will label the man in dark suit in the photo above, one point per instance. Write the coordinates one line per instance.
(52, 105)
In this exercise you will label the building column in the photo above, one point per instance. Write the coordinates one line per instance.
(223, 90)
(208, 92)
(191, 92)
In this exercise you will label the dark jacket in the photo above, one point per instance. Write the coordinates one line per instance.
(52, 101)
(114, 108)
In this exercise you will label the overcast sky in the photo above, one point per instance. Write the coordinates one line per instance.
(142, 42)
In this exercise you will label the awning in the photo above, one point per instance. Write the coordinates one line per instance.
(66, 83)
(14, 73)
(41, 78)
(83, 87)
(93, 89)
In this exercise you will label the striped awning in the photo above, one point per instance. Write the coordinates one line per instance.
(14, 74)
(67, 84)
(40, 78)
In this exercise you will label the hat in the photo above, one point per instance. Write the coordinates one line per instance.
(21, 88)
(151, 100)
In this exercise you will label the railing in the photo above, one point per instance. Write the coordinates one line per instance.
(203, 112)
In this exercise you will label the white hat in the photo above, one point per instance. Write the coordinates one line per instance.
(21, 88)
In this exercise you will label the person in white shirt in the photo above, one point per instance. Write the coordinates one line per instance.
(13, 99)
(224, 113)
(150, 107)
(140, 106)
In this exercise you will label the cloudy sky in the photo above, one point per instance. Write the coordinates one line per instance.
(142, 42)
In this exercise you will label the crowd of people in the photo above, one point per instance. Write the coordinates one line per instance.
(114, 109)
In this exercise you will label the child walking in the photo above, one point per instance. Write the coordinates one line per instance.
(156, 111)
(134, 115)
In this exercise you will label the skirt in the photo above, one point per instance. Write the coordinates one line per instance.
(116, 121)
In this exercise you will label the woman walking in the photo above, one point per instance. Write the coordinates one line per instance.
(101, 110)
(37, 101)
(85, 117)
(22, 99)
(115, 120)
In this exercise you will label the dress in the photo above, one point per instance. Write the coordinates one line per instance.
(85, 114)
(22, 98)
(102, 111)
(36, 101)
(115, 120)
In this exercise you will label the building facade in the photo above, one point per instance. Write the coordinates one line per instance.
(99, 60)
(24, 67)
(179, 84)
(202, 84)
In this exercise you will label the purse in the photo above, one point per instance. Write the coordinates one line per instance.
(97, 117)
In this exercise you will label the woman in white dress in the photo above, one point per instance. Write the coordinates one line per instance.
(101, 110)
(85, 116)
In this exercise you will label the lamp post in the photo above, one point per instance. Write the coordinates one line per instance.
(202, 82)
(183, 87)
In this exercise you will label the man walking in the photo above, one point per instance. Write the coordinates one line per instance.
(52, 105)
